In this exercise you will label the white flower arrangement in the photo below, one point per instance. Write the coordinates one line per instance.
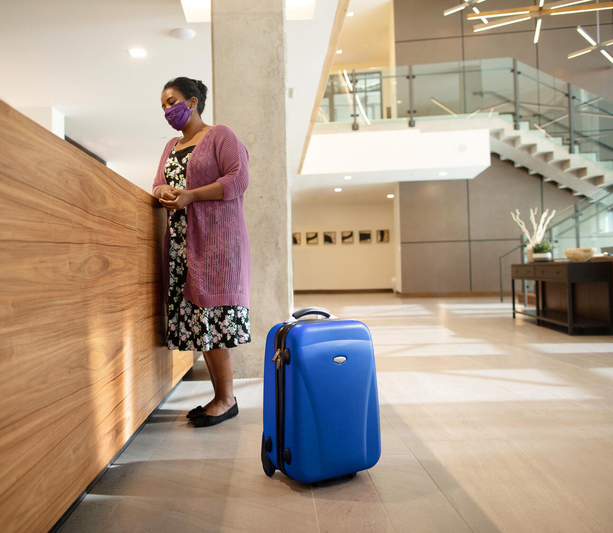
(539, 229)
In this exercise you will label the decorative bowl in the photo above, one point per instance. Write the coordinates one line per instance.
(579, 255)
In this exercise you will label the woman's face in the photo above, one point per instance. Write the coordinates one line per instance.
(171, 96)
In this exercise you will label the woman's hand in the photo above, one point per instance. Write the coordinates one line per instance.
(180, 198)
(166, 192)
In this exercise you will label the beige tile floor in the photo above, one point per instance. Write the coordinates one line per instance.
(487, 425)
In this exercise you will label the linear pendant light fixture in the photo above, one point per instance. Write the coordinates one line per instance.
(464, 5)
(595, 44)
(522, 14)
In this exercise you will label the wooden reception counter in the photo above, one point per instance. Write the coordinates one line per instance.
(82, 362)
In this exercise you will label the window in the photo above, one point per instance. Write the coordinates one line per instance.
(337, 104)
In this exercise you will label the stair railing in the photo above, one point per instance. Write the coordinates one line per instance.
(418, 92)
(522, 246)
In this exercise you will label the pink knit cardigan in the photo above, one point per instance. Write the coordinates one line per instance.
(218, 246)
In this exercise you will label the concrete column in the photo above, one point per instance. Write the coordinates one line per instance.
(248, 42)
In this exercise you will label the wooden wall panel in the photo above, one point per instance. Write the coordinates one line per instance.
(82, 356)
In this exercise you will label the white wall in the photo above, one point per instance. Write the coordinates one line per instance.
(47, 117)
(397, 242)
(343, 266)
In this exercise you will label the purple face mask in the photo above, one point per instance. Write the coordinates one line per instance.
(178, 114)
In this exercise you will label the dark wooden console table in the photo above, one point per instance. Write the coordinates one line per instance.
(573, 295)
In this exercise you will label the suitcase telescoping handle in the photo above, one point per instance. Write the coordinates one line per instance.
(312, 311)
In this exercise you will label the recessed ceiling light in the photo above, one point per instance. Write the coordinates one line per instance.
(347, 177)
(138, 52)
(390, 195)
(338, 189)
(339, 51)
(442, 173)
(350, 14)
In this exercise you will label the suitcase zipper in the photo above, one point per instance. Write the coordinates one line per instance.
(280, 362)
(280, 393)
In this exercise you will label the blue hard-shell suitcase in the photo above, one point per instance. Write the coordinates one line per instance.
(321, 407)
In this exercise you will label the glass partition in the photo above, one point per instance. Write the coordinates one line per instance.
(543, 102)
(583, 122)
(593, 125)
(590, 226)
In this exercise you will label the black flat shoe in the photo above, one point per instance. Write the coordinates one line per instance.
(195, 412)
(205, 420)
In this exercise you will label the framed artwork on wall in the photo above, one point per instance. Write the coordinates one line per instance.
(383, 235)
(329, 237)
(295, 238)
(311, 237)
(365, 237)
(347, 237)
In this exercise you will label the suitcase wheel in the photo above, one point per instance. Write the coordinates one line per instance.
(269, 468)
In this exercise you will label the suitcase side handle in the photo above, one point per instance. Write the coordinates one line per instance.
(312, 311)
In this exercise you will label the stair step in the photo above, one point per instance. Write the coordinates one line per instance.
(524, 126)
(533, 172)
(546, 156)
(581, 173)
(598, 181)
(508, 118)
(531, 148)
(606, 164)
(513, 140)
(563, 164)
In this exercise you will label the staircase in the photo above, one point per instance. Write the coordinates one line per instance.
(546, 156)
(533, 150)
(533, 118)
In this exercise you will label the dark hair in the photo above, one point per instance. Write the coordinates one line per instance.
(190, 88)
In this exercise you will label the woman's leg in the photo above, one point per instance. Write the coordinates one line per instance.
(205, 356)
(221, 367)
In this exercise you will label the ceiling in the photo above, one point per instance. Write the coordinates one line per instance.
(73, 56)
(352, 193)
(368, 37)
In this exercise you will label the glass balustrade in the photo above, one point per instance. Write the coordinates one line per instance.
(590, 226)
(523, 95)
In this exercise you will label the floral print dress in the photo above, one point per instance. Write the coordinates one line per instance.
(193, 328)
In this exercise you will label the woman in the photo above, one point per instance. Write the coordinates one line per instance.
(201, 179)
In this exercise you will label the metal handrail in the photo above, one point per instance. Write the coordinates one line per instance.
(588, 201)
(517, 119)
(576, 217)
(518, 73)
(542, 83)
(522, 245)
(579, 212)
